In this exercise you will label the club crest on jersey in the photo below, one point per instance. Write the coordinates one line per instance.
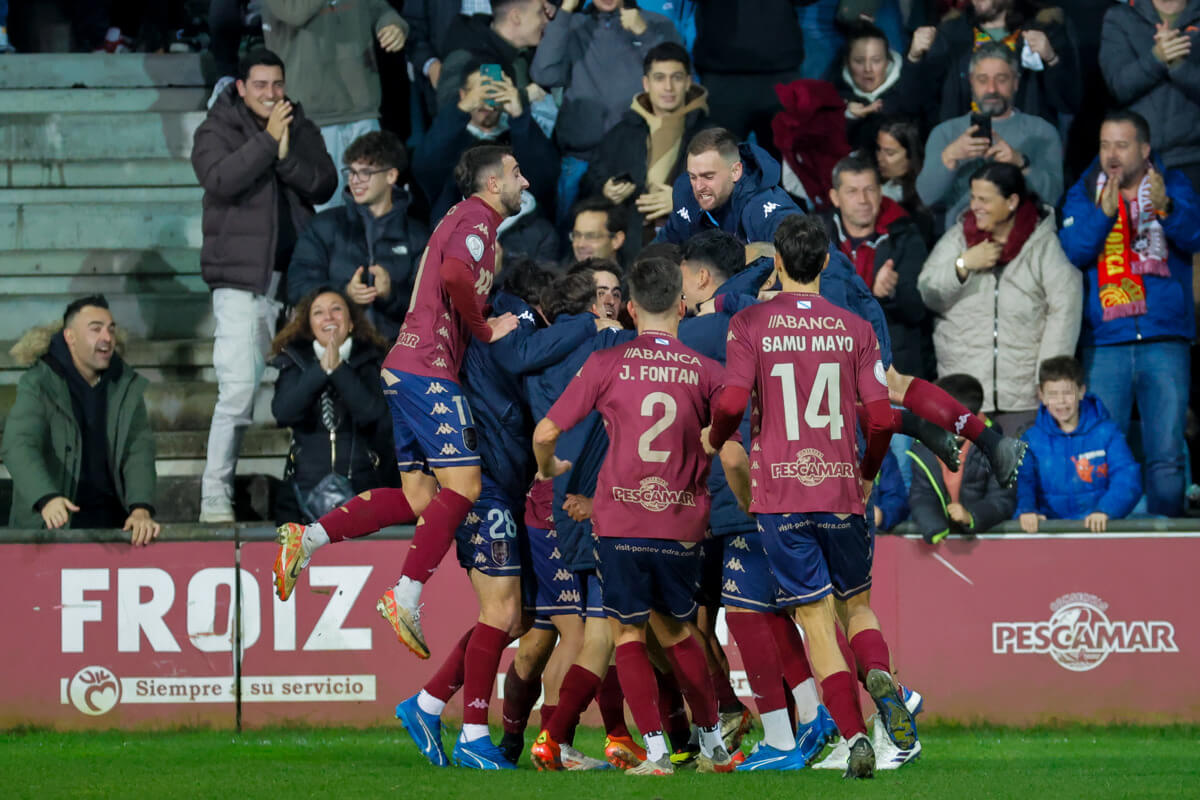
(880, 373)
(811, 468)
(653, 494)
(475, 246)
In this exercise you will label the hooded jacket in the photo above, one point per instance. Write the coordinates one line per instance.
(43, 444)
(329, 50)
(1169, 97)
(1170, 312)
(339, 240)
(237, 162)
(1000, 324)
(599, 64)
(752, 213)
(980, 493)
(897, 239)
(626, 148)
(901, 93)
(1070, 475)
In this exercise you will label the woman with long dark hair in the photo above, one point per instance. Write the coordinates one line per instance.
(328, 393)
(1005, 294)
(899, 154)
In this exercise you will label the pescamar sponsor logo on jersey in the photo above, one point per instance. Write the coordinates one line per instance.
(1079, 635)
(811, 468)
(654, 495)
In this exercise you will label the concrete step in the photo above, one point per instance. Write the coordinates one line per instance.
(258, 443)
(180, 407)
(178, 315)
(105, 172)
(161, 261)
(136, 195)
(74, 70)
(56, 101)
(101, 284)
(66, 136)
(159, 361)
(67, 226)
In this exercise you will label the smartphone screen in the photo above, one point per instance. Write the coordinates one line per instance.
(984, 123)
(491, 74)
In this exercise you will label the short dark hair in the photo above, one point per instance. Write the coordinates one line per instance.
(259, 57)
(1135, 119)
(75, 306)
(668, 250)
(719, 139)
(858, 31)
(963, 388)
(856, 163)
(1061, 368)
(666, 51)
(802, 244)
(655, 285)
(476, 164)
(716, 250)
(616, 216)
(596, 264)
(573, 293)
(525, 278)
(1007, 178)
(379, 149)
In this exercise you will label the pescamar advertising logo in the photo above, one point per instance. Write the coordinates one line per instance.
(1079, 635)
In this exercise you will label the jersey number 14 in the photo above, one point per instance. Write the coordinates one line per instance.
(826, 390)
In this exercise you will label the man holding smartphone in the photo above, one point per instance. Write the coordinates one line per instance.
(995, 131)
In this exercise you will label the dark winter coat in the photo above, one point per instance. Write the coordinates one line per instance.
(339, 240)
(237, 162)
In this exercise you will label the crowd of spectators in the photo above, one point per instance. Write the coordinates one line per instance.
(936, 144)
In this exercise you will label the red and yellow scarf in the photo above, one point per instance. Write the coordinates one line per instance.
(1135, 246)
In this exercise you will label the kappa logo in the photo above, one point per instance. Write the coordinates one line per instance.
(811, 468)
(442, 331)
(735, 565)
(683, 212)
(739, 543)
(653, 494)
(449, 450)
(94, 690)
(730, 337)
(1079, 635)
(472, 517)
(445, 316)
(436, 388)
(445, 428)
(756, 447)
(768, 208)
(527, 316)
(480, 558)
(568, 596)
(400, 250)
(482, 228)
(562, 575)
(555, 554)
(439, 362)
(477, 539)
(483, 284)
(478, 702)
(441, 408)
(754, 464)
(731, 587)
(961, 423)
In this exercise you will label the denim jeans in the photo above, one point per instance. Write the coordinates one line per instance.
(1157, 376)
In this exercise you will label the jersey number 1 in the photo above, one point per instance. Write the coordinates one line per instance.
(827, 386)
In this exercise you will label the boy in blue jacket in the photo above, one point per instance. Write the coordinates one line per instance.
(1078, 465)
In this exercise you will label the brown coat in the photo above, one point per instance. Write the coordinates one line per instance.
(237, 162)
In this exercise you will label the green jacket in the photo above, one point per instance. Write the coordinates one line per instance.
(43, 444)
(329, 50)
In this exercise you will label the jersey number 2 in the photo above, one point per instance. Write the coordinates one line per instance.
(827, 387)
(649, 403)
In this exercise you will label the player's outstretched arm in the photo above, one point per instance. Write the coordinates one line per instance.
(727, 415)
(545, 435)
(737, 473)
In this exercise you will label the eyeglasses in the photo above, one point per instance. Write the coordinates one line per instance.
(361, 174)
(589, 236)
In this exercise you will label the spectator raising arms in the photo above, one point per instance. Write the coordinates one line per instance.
(1132, 227)
(1006, 296)
(328, 393)
(370, 247)
(1078, 465)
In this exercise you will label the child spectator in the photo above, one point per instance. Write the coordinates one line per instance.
(968, 501)
(1078, 465)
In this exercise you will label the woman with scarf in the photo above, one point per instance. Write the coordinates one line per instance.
(1005, 294)
(875, 83)
(328, 393)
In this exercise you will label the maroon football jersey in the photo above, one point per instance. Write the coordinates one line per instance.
(807, 363)
(434, 336)
(655, 396)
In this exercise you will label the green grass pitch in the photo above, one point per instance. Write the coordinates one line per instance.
(959, 763)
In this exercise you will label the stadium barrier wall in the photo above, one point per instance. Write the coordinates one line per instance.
(1011, 629)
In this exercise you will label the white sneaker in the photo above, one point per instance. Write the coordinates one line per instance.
(887, 755)
(218, 88)
(838, 759)
(216, 509)
(576, 761)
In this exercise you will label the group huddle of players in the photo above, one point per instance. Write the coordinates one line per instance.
(606, 539)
